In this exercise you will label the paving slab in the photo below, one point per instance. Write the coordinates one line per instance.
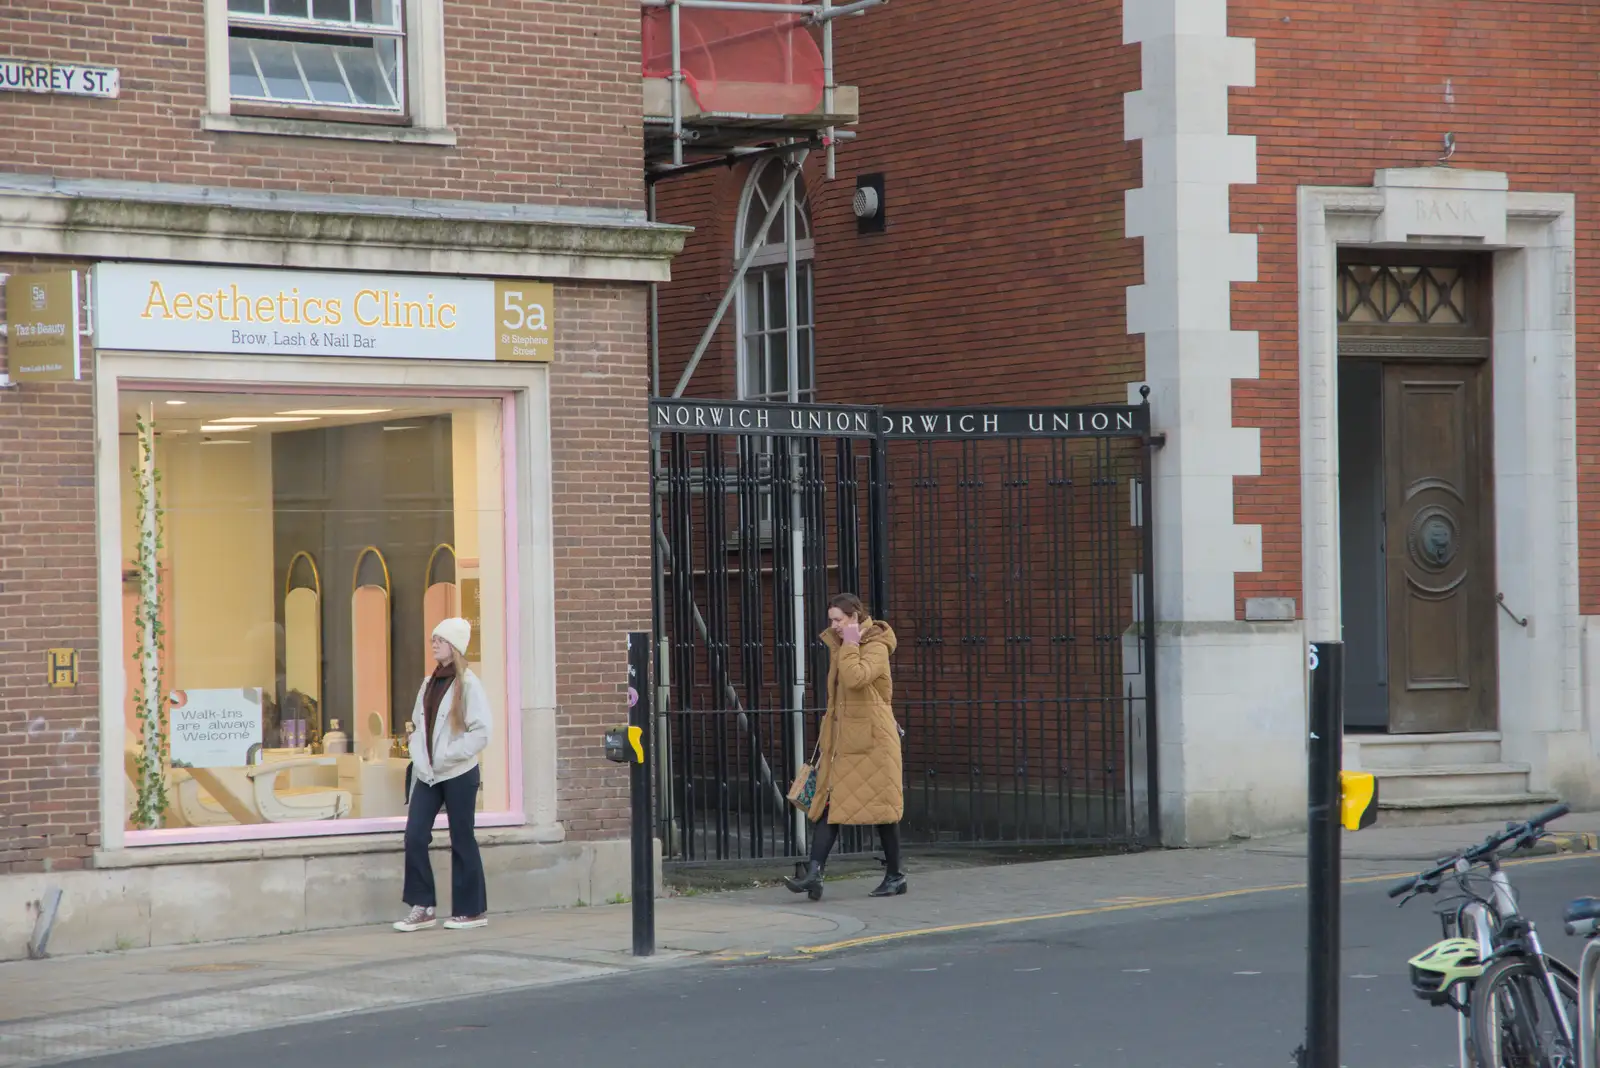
(70, 1008)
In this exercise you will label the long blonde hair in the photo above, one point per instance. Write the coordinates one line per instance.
(458, 712)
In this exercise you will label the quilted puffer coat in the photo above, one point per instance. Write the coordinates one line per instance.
(858, 767)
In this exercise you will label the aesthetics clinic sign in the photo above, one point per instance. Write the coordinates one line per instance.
(153, 308)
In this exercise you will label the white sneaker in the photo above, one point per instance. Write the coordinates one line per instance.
(462, 923)
(417, 919)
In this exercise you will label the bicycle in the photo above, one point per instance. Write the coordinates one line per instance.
(1582, 918)
(1491, 967)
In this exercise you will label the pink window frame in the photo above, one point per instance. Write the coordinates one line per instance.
(515, 815)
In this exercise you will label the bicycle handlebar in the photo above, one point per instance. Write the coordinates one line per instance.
(1513, 832)
(1404, 886)
(1550, 815)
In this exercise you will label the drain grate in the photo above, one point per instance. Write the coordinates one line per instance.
(232, 966)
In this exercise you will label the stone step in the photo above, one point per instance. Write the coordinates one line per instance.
(1451, 780)
(1370, 752)
(1477, 808)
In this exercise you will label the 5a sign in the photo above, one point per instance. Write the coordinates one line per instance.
(42, 310)
(525, 325)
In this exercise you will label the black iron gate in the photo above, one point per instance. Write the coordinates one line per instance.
(1010, 549)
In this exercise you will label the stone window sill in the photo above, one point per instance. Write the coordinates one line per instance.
(335, 845)
(344, 131)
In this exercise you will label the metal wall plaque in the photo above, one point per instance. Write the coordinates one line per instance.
(42, 327)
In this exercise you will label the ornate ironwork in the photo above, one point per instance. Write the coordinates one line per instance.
(1413, 346)
(1019, 554)
(1018, 568)
(1402, 296)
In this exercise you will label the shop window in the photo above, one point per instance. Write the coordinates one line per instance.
(289, 555)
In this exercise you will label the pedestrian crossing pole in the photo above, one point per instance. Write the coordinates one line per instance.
(640, 745)
(1323, 855)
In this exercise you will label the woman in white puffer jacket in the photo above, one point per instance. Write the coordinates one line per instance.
(450, 727)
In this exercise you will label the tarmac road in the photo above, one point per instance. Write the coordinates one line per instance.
(1186, 986)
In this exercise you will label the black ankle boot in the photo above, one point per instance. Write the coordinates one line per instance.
(810, 884)
(893, 885)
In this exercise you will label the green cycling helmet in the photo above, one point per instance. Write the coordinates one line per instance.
(1442, 965)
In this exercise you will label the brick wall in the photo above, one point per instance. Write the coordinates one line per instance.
(1341, 92)
(544, 96)
(49, 738)
(602, 540)
(1001, 278)
(998, 127)
(709, 202)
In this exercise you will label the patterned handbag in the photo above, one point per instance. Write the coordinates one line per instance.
(804, 790)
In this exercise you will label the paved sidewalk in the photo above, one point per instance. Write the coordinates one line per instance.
(70, 1008)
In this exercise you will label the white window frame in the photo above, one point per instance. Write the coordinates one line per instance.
(421, 83)
(770, 265)
(292, 28)
(530, 551)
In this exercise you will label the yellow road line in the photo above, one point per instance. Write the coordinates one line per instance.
(1144, 903)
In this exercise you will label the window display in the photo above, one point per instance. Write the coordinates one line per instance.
(285, 558)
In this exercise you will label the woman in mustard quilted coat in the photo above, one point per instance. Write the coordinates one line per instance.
(858, 770)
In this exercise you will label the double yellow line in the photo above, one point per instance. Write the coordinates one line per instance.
(1118, 906)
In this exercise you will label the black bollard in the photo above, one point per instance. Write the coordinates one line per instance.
(1323, 855)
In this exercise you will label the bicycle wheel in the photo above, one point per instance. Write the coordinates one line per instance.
(1514, 1025)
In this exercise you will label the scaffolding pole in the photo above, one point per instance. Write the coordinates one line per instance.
(675, 81)
(654, 327)
(768, 6)
(791, 293)
(827, 79)
(818, 12)
(828, 12)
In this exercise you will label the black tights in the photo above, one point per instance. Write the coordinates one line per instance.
(824, 834)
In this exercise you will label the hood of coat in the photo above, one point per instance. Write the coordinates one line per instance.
(872, 630)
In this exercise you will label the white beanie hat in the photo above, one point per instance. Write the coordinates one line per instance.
(456, 631)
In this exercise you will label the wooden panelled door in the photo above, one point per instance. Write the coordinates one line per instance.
(1439, 537)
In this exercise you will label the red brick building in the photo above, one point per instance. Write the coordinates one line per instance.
(1348, 265)
(320, 327)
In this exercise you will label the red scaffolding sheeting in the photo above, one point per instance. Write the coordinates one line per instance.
(739, 62)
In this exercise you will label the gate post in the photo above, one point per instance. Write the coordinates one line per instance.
(1147, 499)
(878, 522)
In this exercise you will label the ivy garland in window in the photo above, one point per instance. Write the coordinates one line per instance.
(151, 801)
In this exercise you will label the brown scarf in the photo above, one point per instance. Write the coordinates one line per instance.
(439, 682)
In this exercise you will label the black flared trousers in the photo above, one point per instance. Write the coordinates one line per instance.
(459, 798)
